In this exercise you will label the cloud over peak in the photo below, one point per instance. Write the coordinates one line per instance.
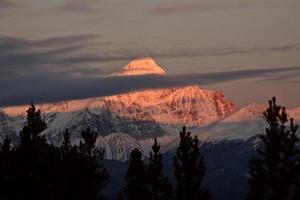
(60, 87)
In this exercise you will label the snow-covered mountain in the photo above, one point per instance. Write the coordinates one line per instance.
(119, 136)
(131, 120)
(191, 106)
(139, 114)
(242, 124)
(141, 66)
(10, 126)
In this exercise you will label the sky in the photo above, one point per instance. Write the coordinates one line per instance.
(53, 50)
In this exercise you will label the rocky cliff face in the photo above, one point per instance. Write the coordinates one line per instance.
(191, 106)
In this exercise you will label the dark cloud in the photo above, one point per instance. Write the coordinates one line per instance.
(279, 78)
(18, 54)
(188, 52)
(47, 88)
(291, 82)
(91, 6)
(7, 4)
(24, 56)
(283, 48)
(120, 54)
(66, 40)
(61, 68)
(93, 20)
(196, 6)
(12, 43)
(174, 8)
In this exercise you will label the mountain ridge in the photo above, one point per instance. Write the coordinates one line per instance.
(133, 119)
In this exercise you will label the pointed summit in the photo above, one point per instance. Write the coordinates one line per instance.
(141, 66)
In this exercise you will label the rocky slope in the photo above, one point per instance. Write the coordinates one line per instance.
(191, 106)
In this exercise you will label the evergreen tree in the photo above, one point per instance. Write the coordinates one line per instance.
(273, 172)
(159, 186)
(189, 169)
(136, 179)
(82, 173)
(35, 125)
(37, 170)
(6, 156)
(119, 196)
(88, 146)
(96, 174)
(67, 183)
(33, 155)
(296, 187)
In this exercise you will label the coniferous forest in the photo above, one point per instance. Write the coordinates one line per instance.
(36, 169)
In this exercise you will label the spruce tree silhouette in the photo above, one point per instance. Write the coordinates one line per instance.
(95, 171)
(88, 146)
(189, 169)
(68, 185)
(273, 172)
(35, 125)
(36, 170)
(82, 172)
(6, 156)
(32, 164)
(136, 179)
(159, 185)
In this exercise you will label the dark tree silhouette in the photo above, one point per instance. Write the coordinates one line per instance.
(36, 170)
(92, 157)
(136, 178)
(273, 172)
(32, 161)
(88, 146)
(35, 125)
(6, 156)
(159, 185)
(32, 154)
(82, 174)
(189, 169)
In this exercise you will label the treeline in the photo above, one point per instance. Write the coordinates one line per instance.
(35, 169)
(147, 181)
(274, 174)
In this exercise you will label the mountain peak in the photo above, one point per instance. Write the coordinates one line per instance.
(141, 66)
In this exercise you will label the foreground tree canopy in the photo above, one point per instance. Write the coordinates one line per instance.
(189, 169)
(275, 172)
(38, 170)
